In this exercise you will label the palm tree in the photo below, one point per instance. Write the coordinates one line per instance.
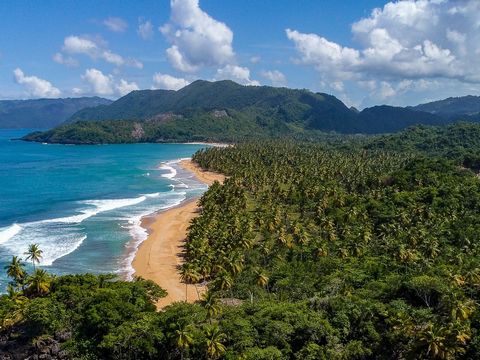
(433, 340)
(188, 275)
(39, 282)
(214, 338)
(262, 278)
(211, 304)
(182, 336)
(16, 271)
(15, 314)
(34, 253)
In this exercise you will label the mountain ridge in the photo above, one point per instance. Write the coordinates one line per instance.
(43, 113)
(227, 111)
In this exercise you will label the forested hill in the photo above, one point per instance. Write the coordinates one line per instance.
(43, 113)
(318, 110)
(226, 111)
(458, 142)
(453, 106)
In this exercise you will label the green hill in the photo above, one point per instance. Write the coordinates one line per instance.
(459, 142)
(227, 111)
(43, 113)
(453, 106)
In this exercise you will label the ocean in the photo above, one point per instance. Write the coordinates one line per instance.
(83, 204)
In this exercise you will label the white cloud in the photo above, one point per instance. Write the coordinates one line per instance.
(65, 60)
(275, 77)
(412, 40)
(101, 84)
(235, 73)
(168, 82)
(196, 38)
(35, 86)
(125, 87)
(255, 59)
(77, 91)
(95, 49)
(145, 29)
(115, 24)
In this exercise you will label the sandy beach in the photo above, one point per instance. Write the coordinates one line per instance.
(159, 256)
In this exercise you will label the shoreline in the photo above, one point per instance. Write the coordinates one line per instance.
(157, 258)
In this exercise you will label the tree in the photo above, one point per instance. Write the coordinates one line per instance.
(16, 271)
(34, 253)
(211, 304)
(214, 338)
(39, 282)
(181, 335)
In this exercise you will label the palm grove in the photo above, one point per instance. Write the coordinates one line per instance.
(350, 249)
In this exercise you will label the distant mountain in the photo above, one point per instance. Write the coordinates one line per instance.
(387, 119)
(452, 107)
(286, 105)
(43, 113)
(227, 111)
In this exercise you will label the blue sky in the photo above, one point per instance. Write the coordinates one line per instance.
(365, 52)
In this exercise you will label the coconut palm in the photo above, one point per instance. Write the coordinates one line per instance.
(34, 253)
(16, 271)
(211, 304)
(181, 335)
(188, 275)
(39, 282)
(214, 339)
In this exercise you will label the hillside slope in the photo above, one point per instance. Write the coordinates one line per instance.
(453, 106)
(43, 113)
(227, 111)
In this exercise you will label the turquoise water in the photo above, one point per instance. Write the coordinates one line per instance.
(83, 204)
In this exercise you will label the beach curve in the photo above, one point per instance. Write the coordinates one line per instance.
(159, 256)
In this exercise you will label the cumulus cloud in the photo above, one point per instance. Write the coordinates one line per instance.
(275, 77)
(115, 24)
(101, 84)
(145, 29)
(105, 85)
(412, 40)
(168, 82)
(95, 49)
(235, 73)
(35, 86)
(124, 87)
(65, 60)
(196, 39)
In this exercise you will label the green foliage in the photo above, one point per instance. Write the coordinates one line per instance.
(333, 250)
(459, 142)
(229, 112)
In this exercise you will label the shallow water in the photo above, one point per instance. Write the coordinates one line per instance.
(83, 204)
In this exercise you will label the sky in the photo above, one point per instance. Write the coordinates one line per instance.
(365, 52)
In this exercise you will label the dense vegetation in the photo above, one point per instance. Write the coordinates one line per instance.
(310, 251)
(43, 113)
(458, 142)
(226, 111)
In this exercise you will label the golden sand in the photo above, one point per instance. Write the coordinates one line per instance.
(160, 255)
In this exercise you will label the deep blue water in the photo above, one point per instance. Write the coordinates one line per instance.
(83, 204)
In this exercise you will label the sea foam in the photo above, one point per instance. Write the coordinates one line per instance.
(9, 232)
(172, 172)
